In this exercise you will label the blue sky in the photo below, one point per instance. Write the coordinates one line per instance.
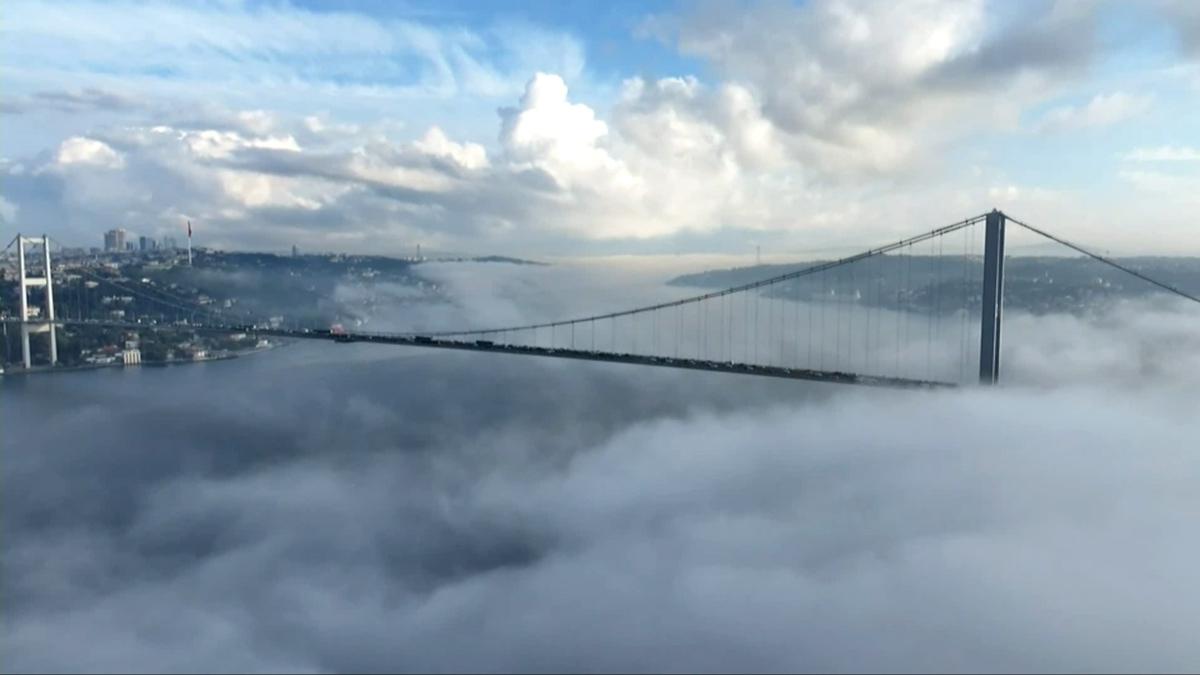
(571, 128)
(607, 30)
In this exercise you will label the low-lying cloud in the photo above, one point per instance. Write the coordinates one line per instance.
(347, 507)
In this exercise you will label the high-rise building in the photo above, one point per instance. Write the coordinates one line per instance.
(147, 243)
(114, 240)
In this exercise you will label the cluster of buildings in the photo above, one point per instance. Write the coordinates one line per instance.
(120, 240)
(131, 355)
(188, 349)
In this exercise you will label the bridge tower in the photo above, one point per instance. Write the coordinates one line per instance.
(993, 298)
(46, 323)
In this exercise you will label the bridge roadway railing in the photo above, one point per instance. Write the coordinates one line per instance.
(612, 357)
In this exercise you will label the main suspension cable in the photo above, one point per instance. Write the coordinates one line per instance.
(1107, 261)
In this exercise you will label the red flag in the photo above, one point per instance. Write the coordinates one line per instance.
(189, 229)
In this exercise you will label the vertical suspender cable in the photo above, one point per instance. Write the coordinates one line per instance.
(837, 340)
(808, 360)
(929, 309)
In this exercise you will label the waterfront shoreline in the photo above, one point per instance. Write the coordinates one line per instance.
(36, 370)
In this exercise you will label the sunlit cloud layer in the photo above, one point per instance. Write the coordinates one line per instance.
(798, 126)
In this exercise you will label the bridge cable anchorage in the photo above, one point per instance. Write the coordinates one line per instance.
(1107, 261)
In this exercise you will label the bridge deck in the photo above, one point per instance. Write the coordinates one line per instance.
(553, 352)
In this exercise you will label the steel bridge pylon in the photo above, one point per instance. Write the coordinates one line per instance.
(993, 298)
(46, 323)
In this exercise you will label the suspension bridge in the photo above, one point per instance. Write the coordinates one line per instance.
(924, 311)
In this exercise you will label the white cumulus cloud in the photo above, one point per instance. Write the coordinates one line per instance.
(467, 155)
(566, 139)
(88, 151)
